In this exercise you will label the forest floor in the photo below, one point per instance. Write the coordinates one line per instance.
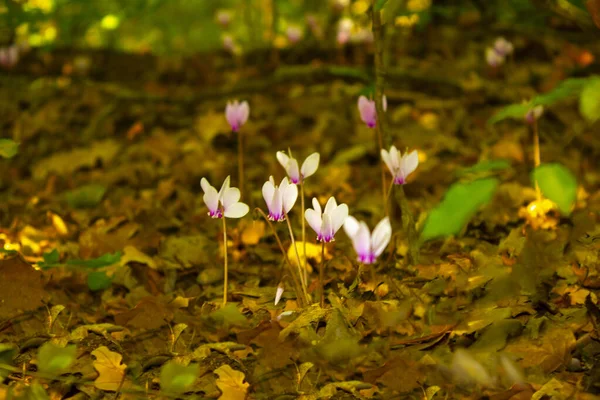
(105, 194)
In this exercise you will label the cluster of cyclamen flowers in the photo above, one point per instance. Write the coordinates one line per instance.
(280, 199)
(496, 55)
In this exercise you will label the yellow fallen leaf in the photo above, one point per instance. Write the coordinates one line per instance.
(111, 371)
(231, 383)
(313, 252)
(253, 232)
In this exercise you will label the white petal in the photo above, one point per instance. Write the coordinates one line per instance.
(351, 226)
(316, 205)
(385, 156)
(224, 187)
(230, 114)
(278, 294)
(276, 206)
(237, 210)
(314, 219)
(268, 190)
(394, 158)
(362, 240)
(410, 162)
(283, 159)
(293, 170)
(330, 206)
(327, 228)
(243, 112)
(338, 216)
(290, 195)
(205, 185)
(211, 198)
(381, 236)
(310, 165)
(230, 196)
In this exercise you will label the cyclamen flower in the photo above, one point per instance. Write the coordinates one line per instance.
(493, 58)
(237, 114)
(367, 110)
(225, 202)
(280, 199)
(503, 47)
(294, 34)
(223, 17)
(400, 166)
(9, 56)
(534, 114)
(368, 246)
(329, 222)
(309, 166)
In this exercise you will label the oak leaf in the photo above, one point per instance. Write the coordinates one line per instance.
(231, 383)
(111, 371)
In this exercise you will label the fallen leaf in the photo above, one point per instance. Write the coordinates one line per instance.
(111, 371)
(231, 383)
(21, 287)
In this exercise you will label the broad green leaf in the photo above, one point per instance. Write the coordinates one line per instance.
(176, 378)
(103, 261)
(53, 359)
(85, 196)
(98, 280)
(565, 89)
(8, 148)
(379, 4)
(460, 203)
(558, 184)
(589, 102)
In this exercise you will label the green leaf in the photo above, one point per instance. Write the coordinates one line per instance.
(558, 184)
(54, 360)
(459, 205)
(103, 261)
(589, 102)
(51, 259)
(85, 196)
(565, 89)
(8, 148)
(7, 353)
(176, 378)
(98, 280)
(379, 4)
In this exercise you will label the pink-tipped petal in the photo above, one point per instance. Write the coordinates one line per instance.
(326, 229)
(244, 112)
(310, 165)
(381, 236)
(362, 243)
(293, 171)
(276, 207)
(237, 210)
(338, 216)
(314, 220)
(211, 199)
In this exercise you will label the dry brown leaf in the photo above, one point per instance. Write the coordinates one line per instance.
(21, 287)
(111, 372)
(231, 383)
(552, 352)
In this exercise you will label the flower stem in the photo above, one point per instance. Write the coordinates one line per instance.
(224, 261)
(379, 84)
(322, 274)
(297, 286)
(241, 162)
(303, 230)
(297, 256)
(536, 154)
(408, 224)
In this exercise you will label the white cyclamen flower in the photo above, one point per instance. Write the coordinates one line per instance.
(329, 222)
(368, 246)
(400, 166)
(309, 166)
(225, 202)
(280, 199)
